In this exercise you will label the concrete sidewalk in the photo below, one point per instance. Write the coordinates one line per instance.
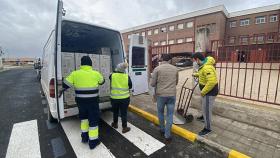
(252, 140)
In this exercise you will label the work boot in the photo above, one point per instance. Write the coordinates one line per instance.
(201, 118)
(125, 129)
(84, 136)
(168, 140)
(204, 132)
(93, 143)
(161, 133)
(114, 125)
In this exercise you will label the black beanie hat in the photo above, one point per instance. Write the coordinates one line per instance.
(199, 56)
(85, 60)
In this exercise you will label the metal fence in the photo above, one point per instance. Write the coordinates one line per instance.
(178, 49)
(249, 71)
(155, 54)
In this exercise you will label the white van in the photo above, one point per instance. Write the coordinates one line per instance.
(67, 43)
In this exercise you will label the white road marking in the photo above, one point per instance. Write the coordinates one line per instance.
(24, 141)
(139, 138)
(71, 127)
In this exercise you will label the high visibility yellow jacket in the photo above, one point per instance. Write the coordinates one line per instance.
(85, 81)
(119, 86)
(207, 75)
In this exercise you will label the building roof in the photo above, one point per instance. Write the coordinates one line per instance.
(220, 8)
(254, 10)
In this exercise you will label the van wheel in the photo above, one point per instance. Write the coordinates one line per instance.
(50, 117)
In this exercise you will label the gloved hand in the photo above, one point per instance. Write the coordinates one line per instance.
(60, 92)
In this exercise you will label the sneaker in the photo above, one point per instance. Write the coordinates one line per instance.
(201, 118)
(126, 129)
(168, 140)
(114, 125)
(204, 132)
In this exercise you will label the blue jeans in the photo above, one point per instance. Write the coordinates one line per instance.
(169, 101)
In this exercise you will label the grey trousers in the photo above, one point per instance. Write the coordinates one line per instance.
(207, 105)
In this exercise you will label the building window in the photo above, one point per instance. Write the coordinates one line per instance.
(244, 39)
(163, 29)
(171, 42)
(260, 20)
(155, 31)
(244, 22)
(137, 34)
(150, 32)
(271, 37)
(180, 26)
(128, 36)
(180, 40)
(143, 34)
(163, 43)
(189, 39)
(171, 28)
(260, 38)
(231, 40)
(155, 43)
(273, 18)
(189, 24)
(232, 24)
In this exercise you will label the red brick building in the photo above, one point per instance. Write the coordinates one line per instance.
(232, 30)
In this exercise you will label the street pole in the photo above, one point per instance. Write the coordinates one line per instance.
(167, 49)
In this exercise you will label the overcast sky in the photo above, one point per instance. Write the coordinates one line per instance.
(25, 24)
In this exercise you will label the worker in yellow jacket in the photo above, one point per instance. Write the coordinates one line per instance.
(120, 95)
(208, 85)
(86, 81)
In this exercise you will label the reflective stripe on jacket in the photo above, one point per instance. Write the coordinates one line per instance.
(85, 82)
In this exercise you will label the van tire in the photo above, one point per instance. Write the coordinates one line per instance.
(50, 117)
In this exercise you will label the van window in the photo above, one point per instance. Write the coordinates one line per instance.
(84, 38)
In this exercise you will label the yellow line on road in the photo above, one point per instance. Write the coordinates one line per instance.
(180, 131)
(175, 129)
(236, 154)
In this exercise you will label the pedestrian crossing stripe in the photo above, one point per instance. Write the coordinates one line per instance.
(24, 141)
(73, 133)
(139, 138)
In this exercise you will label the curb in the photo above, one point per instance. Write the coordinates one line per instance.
(226, 152)
(3, 70)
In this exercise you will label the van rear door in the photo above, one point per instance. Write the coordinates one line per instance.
(138, 64)
(57, 61)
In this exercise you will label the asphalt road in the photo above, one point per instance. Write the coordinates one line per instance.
(20, 101)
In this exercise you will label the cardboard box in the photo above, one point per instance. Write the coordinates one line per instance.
(67, 63)
(106, 51)
(105, 70)
(101, 63)
(95, 61)
(68, 66)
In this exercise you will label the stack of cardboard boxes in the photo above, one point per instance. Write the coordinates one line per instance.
(101, 62)
(68, 65)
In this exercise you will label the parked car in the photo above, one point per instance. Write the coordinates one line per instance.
(184, 63)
